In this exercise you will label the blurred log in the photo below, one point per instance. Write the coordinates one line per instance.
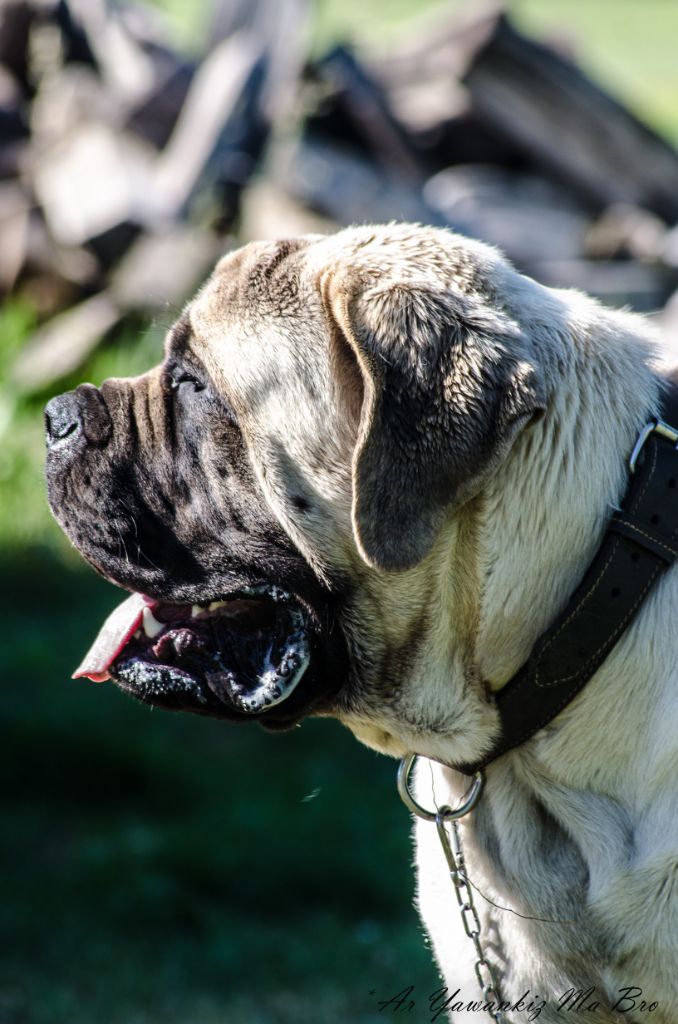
(16, 18)
(644, 287)
(155, 108)
(218, 137)
(269, 212)
(65, 103)
(72, 264)
(529, 218)
(421, 79)
(137, 157)
(242, 87)
(101, 37)
(63, 344)
(439, 53)
(355, 109)
(76, 44)
(670, 248)
(349, 189)
(14, 130)
(110, 244)
(465, 139)
(545, 104)
(14, 224)
(626, 232)
(155, 115)
(666, 320)
(53, 276)
(161, 270)
(231, 16)
(93, 187)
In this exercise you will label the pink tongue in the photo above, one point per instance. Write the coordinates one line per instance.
(113, 635)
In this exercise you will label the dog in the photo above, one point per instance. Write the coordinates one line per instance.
(367, 476)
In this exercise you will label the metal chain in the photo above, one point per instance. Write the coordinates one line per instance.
(467, 907)
(457, 865)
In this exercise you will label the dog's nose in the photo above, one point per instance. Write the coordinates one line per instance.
(80, 412)
(62, 418)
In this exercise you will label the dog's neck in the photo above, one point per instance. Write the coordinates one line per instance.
(507, 563)
(541, 518)
(576, 792)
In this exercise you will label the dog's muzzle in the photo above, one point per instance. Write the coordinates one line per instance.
(221, 620)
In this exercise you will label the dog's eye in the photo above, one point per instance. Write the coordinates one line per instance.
(177, 378)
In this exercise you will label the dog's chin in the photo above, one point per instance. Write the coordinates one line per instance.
(247, 654)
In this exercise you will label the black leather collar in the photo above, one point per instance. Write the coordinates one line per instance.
(639, 544)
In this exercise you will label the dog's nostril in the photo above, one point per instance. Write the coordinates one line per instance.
(62, 418)
(58, 430)
(80, 412)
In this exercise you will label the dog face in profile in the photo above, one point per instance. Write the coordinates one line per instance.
(367, 475)
(324, 406)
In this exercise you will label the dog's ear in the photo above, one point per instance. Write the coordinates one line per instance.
(440, 384)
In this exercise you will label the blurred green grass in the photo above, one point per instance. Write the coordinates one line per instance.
(159, 868)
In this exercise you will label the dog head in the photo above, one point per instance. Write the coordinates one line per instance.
(286, 489)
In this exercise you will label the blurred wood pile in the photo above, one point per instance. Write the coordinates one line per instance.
(126, 168)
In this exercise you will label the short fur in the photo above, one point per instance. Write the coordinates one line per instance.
(441, 440)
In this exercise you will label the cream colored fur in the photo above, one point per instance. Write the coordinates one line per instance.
(579, 825)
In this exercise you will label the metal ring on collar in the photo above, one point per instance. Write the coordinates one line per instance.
(447, 814)
(664, 430)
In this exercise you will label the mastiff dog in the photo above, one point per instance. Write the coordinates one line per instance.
(382, 476)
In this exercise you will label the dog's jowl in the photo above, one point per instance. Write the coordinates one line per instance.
(369, 474)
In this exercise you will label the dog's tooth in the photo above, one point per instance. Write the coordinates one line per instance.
(151, 625)
(217, 604)
(196, 609)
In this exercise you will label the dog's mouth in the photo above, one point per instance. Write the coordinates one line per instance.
(248, 649)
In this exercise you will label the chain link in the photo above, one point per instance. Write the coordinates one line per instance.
(457, 865)
(469, 915)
